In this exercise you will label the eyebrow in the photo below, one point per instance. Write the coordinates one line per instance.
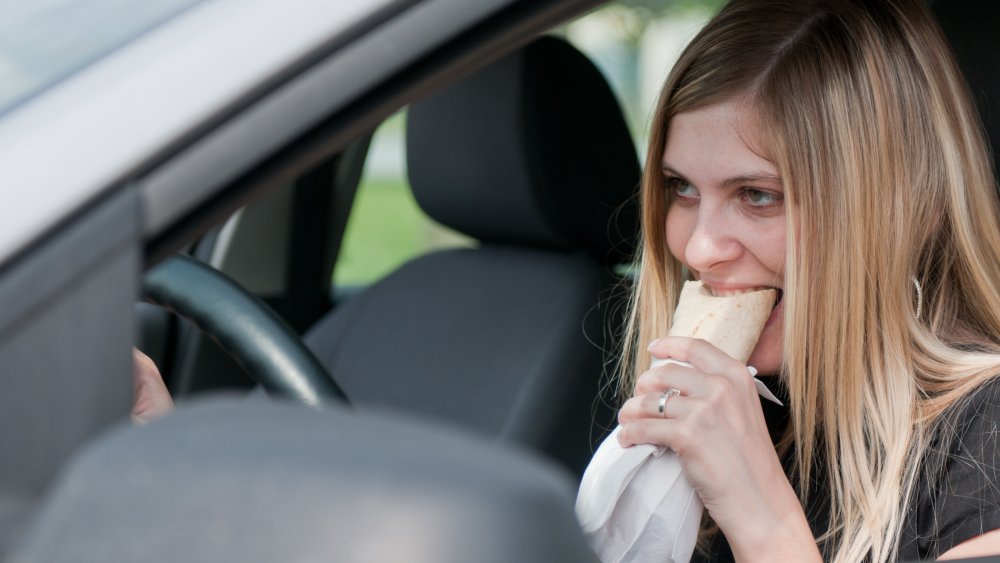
(758, 177)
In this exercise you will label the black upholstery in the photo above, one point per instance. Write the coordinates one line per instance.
(252, 481)
(971, 27)
(532, 157)
(533, 151)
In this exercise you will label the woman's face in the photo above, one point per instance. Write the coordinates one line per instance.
(726, 220)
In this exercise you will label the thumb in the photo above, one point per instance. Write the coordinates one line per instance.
(150, 398)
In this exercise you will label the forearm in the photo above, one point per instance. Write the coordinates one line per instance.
(780, 533)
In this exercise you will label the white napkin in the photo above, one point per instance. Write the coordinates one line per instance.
(636, 504)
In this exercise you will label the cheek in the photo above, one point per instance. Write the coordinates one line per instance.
(678, 231)
(773, 254)
(767, 243)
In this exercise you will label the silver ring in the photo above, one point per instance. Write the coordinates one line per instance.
(664, 397)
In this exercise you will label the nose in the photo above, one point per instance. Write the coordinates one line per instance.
(712, 243)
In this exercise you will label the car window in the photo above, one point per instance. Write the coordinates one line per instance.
(633, 42)
(387, 227)
(44, 41)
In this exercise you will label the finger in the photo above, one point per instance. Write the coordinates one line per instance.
(661, 378)
(150, 397)
(665, 432)
(701, 354)
(648, 406)
(689, 381)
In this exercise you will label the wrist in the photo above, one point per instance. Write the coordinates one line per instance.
(781, 532)
(777, 530)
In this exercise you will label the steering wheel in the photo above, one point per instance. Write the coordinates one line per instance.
(244, 327)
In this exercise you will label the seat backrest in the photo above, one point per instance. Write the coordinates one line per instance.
(532, 158)
(971, 28)
(252, 481)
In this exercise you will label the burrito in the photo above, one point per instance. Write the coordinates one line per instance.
(731, 322)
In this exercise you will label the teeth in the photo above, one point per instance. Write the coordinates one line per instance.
(732, 292)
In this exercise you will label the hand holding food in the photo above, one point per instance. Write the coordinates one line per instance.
(707, 411)
(635, 502)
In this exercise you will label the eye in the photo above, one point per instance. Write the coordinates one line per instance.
(680, 188)
(761, 198)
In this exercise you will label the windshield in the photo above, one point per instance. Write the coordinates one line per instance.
(44, 41)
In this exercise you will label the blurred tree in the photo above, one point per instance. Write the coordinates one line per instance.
(632, 17)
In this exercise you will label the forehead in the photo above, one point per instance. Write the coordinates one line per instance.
(714, 142)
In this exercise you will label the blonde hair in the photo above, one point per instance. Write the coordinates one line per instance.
(864, 113)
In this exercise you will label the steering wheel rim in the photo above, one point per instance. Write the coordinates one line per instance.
(244, 327)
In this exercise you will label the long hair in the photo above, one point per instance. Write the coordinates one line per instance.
(888, 180)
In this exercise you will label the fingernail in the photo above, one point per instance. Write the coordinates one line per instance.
(752, 370)
(652, 345)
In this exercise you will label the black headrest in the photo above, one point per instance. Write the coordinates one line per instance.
(971, 26)
(532, 150)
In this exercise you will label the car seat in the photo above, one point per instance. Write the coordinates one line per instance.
(252, 481)
(513, 338)
(970, 26)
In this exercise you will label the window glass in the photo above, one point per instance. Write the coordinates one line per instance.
(633, 42)
(44, 41)
(387, 227)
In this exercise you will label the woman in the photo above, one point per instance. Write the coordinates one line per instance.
(829, 149)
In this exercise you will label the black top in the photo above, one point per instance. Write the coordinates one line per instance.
(958, 495)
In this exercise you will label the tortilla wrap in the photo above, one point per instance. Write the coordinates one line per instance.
(732, 323)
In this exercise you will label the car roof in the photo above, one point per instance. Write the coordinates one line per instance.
(183, 110)
(103, 125)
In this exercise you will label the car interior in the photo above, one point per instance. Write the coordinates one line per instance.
(553, 212)
(459, 398)
(512, 338)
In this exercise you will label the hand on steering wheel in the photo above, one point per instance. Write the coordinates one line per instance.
(244, 327)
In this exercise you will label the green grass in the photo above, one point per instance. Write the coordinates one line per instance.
(386, 228)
